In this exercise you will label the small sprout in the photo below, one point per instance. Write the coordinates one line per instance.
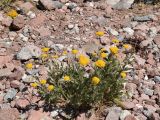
(66, 78)
(43, 82)
(100, 33)
(74, 51)
(100, 63)
(12, 13)
(114, 49)
(34, 85)
(50, 88)
(45, 49)
(115, 41)
(83, 60)
(29, 65)
(123, 74)
(103, 55)
(95, 80)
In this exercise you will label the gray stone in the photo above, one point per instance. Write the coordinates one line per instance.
(129, 31)
(33, 71)
(11, 93)
(28, 78)
(71, 5)
(123, 114)
(114, 113)
(54, 113)
(148, 91)
(157, 79)
(28, 52)
(143, 18)
(50, 4)
(113, 32)
(112, 2)
(123, 4)
(18, 22)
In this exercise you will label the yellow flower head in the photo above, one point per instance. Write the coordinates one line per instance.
(127, 46)
(34, 85)
(50, 88)
(12, 13)
(115, 41)
(74, 51)
(65, 52)
(114, 49)
(66, 78)
(44, 56)
(95, 80)
(100, 63)
(45, 49)
(123, 74)
(83, 60)
(103, 55)
(43, 82)
(29, 65)
(55, 56)
(100, 33)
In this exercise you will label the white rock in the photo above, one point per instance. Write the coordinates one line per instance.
(129, 31)
(54, 113)
(113, 32)
(123, 114)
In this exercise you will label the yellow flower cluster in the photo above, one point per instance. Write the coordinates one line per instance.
(43, 56)
(95, 80)
(34, 84)
(12, 13)
(50, 88)
(100, 33)
(45, 49)
(127, 46)
(103, 55)
(74, 51)
(29, 65)
(123, 74)
(114, 49)
(66, 78)
(100, 63)
(43, 82)
(83, 60)
(115, 41)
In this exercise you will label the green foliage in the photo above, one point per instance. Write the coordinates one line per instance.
(74, 85)
(4, 3)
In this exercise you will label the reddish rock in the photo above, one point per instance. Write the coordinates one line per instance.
(156, 116)
(157, 40)
(18, 22)
(9, 114)
(15, 84)
(5, 59)
(22, 103)
(26, 6)
(37, 115)
(128, 105)
(130, 117)
(38, 21)
(7, 21)
(44, 31)
(139, 60)
(150, 59)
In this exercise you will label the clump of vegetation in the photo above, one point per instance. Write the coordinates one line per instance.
(85, 80)
(4, 3)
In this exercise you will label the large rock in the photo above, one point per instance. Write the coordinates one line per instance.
(120, 4)
(28, 52)
(9, 114)
(10, 94)
(18, 23)
(114, 113)
(50, 4)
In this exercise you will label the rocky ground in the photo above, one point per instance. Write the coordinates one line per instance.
(64, 24)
